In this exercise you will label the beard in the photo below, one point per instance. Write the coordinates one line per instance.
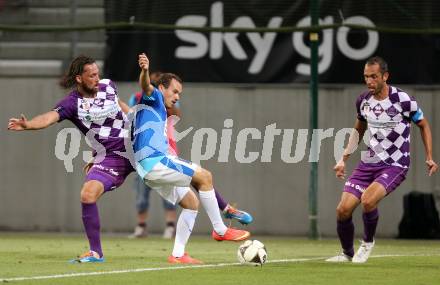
(378, 89)
(89, 90)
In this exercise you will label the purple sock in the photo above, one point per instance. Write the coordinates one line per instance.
(90, 217)
(220, 201)
(370, 224)
(345, 231)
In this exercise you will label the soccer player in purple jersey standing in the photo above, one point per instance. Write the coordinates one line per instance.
(386, 113)
(94, 108)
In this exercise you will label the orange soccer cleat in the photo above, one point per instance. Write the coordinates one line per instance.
(231, 234)
(185, 259)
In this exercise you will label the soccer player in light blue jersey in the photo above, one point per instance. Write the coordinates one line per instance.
(171, 176)
(143, 191)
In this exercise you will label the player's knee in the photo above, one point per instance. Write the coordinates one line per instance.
(90, 193)
(207, 177)
(88, 197)
(368, 204)
(343, 212)
(202, 180)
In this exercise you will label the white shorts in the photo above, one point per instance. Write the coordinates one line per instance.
(171, 178)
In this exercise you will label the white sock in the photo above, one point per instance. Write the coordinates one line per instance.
(184, 227)
(209, 203)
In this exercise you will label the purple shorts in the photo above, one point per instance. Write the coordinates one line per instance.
(366, 173)
(112, 172)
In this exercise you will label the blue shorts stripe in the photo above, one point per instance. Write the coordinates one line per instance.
(173, 164)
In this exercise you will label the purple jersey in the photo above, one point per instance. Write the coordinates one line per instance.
(101, 114)
(389, 122)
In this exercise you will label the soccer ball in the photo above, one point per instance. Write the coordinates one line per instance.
(252, 252)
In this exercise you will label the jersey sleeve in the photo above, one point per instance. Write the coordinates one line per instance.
(410, 108)
(65, 108)
(153, 99)
(359, 100)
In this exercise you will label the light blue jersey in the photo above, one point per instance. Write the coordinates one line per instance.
(149, 138)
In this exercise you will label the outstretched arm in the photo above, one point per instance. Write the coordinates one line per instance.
(353, 141)
(144, 77)
(39, 122)
(425, 131)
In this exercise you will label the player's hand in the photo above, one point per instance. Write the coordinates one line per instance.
(340, 169)
(144, 63)
(432, 166)
(15, 124)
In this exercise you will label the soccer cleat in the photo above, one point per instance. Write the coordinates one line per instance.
(169, 232)
(90, 256)
(231, 235)
(342, 257)
(241, 216)
(139, 232)
(185, 259)
(363, 252)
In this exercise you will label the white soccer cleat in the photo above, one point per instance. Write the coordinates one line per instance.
(363, 252)
(342, 257)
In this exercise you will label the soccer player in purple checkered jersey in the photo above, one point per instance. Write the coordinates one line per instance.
(386, 113)
(94, 108)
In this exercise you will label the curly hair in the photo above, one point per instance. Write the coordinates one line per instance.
(76, 68)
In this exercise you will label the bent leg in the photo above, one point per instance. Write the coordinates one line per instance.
(230, 212)
(202, 181)
(171, 172)
(345, 226)
(90, 193)
(370, 200)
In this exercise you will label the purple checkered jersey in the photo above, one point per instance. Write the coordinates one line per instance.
(101, 114)
(388, 133)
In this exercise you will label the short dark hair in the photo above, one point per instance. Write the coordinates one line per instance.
(165, 79)
(383, 65)
(154, 77)
(76, 68)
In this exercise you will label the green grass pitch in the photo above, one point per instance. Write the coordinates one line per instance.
(43, 259)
